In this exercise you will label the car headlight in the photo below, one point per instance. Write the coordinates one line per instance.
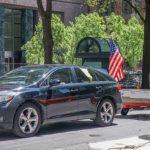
(5, 98)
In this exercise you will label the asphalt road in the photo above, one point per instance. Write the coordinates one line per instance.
(77, 134)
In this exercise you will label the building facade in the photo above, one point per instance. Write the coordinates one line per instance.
(17, 24)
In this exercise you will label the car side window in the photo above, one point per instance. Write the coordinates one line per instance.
(82, 75)
(99, 76)
(45, 83)
(92, 73)
(64, 75)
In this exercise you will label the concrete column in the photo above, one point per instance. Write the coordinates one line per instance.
(2, 59)
(27, 28)
(27, 25)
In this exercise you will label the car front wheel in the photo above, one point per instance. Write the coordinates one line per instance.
(27, 120)
(105, 113)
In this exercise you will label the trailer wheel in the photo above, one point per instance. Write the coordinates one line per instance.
(124, 111)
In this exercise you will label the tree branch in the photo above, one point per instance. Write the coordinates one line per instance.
(40, 8)
(136, 10)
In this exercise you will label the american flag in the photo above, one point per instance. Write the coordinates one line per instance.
(115, 62)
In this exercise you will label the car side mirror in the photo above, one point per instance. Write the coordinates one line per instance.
(54, 82)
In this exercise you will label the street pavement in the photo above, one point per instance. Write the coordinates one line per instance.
(76, 135)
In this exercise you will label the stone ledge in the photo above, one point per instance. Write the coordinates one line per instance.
(134, 143)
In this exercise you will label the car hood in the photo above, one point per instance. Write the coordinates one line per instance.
(13, 88)
(7, 87)
(17, 90)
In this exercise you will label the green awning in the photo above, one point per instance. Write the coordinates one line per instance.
(93, 48)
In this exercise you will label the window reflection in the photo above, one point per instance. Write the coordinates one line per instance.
(12, 33)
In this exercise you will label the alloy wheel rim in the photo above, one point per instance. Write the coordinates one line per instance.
(106, 112)
(28, 120)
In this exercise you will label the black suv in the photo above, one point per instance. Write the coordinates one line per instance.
(33, 95)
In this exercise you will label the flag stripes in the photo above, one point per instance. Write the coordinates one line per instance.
(115, 63)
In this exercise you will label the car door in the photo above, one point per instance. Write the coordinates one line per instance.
(61, 100)
(86, 84)
(104, 86)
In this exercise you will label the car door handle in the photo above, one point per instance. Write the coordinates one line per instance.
(98, 87)
(74, 90)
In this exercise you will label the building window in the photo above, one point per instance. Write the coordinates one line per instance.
(60, 15)
(138, 3)
(126, 9)
(12, 38)
(108, 10)
(12, 33)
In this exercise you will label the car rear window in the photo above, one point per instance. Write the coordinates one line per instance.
(92, 73)
(100, 76)
(81, 75)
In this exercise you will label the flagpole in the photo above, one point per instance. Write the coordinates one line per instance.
(112, 35)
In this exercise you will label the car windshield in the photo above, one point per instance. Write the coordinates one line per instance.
(23, 76)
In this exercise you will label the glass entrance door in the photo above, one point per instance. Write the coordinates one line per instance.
(12, 38)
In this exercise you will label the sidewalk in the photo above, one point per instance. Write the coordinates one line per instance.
(134, 143)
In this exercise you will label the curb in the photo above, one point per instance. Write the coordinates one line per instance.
(134, 143)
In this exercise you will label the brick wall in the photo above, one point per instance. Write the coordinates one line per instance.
(71, 9)
(92, 9)
(118, 8)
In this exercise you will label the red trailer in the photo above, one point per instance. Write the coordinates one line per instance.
(134, 98)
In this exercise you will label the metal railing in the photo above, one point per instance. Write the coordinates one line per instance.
(5, 67)
(132, 79)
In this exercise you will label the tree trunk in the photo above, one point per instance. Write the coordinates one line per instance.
(46, 16)
(47, 41)
(146, 50)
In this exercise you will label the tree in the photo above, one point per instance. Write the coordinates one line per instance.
(35, 47)
(145, 18)
(46, 15)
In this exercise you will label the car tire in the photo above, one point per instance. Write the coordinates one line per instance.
(124, 111)
(105, 113)
(27, 120)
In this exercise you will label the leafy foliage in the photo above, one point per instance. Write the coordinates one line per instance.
(90, 25)
(129, 37)
(65, 39)
(102, 4)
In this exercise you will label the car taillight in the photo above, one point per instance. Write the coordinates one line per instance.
(118, 87)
